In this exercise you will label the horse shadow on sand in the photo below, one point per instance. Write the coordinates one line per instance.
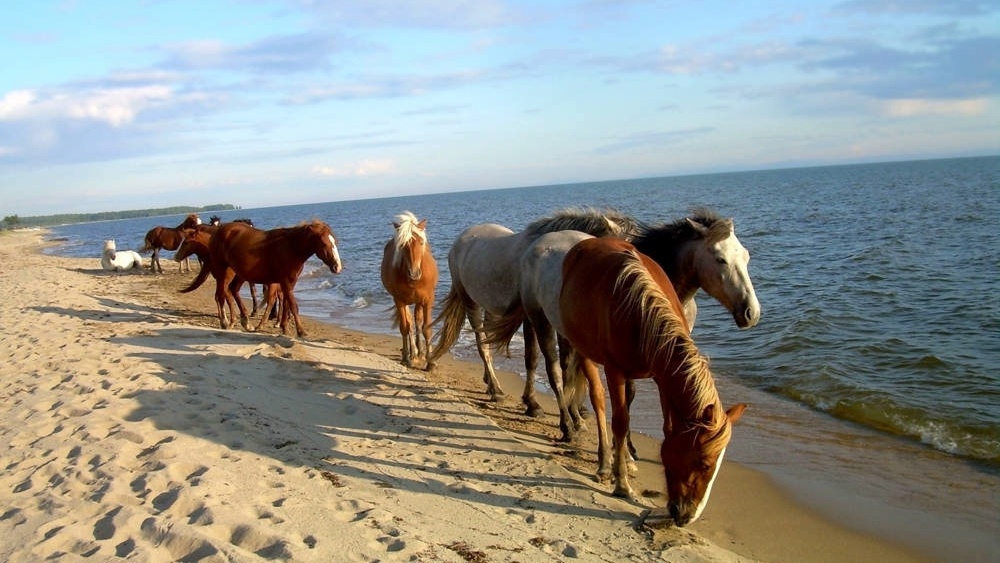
(311, 410)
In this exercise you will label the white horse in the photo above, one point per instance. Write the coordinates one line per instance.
(114, 260)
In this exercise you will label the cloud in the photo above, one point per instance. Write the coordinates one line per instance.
(915, 106)
(277, 54)
(75, 124)
(428, 14)
(964, 8)
(114, 106)
(363, 168)
(646, 139)
(389, 87)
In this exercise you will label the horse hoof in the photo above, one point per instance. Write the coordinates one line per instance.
(430, 366)
(533, 409)
(624, 492)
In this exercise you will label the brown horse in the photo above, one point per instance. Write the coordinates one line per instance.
(169, 238)
(410, 275)
(269, 257)
(196, 242)
(619, 309)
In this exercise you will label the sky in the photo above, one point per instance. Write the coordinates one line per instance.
(134, 104)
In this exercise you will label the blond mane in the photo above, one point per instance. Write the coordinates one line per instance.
(664, 334)
(407, 228)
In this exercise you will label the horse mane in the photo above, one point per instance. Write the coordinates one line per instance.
(590, 220)
(407, 227)
(672, 235)
(663, 336)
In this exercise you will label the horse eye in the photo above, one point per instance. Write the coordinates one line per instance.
(720, 260)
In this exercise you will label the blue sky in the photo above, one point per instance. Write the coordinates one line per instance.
(118, 105)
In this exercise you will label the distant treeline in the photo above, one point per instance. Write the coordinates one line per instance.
(13, 221)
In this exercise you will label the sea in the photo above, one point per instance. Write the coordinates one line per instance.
(873, 376)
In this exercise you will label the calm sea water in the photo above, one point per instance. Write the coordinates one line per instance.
(879, 341)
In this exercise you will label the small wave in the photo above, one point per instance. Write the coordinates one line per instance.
(360, 302)
(930, 361)
(325, 284)
(879, 411)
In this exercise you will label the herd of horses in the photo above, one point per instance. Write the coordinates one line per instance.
(585, 287)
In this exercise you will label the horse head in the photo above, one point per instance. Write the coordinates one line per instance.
(721, 263)
(692, 454)
(110, 250)
(411, 244)
(190, 221)
(326, 246)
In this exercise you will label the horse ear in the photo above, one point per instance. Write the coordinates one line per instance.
(735, 412)
(698, 227)
(422, 225)
(395, 225)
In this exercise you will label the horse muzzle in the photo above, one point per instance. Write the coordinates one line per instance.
(682, 513)
(747, 316)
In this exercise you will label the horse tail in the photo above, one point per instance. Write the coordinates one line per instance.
(200, 279)
(500, 330)
(575, 386)
(147, 243)
(452, 316)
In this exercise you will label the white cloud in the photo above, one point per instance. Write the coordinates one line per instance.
(363, 168)
(113, 106)
(915, 106)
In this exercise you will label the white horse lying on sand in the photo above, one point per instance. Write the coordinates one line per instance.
(119, 261)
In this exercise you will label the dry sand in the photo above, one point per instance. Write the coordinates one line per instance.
(133, 428)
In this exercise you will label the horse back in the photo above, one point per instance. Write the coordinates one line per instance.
(483, 264)
(258, 256)
(591, 299)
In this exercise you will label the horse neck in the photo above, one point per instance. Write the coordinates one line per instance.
(683, 377)
(677, 260)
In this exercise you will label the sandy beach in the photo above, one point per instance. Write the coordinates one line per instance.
(132, 427)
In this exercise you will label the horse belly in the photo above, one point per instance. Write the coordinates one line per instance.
(488, 279)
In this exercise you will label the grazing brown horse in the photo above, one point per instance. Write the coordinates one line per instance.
(169, 238)
(269, 257)
(410, 275)
(619, 309)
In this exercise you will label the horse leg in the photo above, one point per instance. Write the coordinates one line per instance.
(422, 319)
(575, 409)
(253, 296)
(270, 303)
(234, 295)
(220, 300)
(476, 316)
(546, 336)
(532, 408)
(154, 263)
(405, 332)
(292, 308)
(629, 397)
(593, 375)
(619, 430)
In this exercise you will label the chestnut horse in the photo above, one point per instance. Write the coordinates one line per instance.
(196, 242)
(619, 309)
(410, 275)
(269, 257)
(169, 238)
